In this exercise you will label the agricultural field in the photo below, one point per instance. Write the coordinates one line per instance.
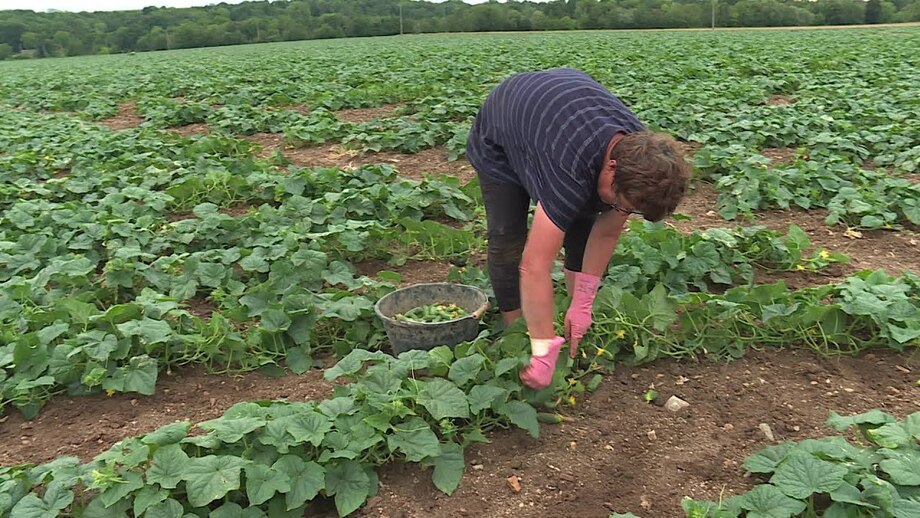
(192, 242)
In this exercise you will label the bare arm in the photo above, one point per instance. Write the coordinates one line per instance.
(540, 253)
(602, 242)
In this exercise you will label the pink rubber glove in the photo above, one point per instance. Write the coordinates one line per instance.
(578, 317)
(544, 353)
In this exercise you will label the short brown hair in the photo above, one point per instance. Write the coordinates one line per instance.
(651, 172)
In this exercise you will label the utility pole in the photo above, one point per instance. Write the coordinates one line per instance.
(400, 18)
(714, 14)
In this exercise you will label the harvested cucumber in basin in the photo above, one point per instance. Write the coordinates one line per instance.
(433, 313)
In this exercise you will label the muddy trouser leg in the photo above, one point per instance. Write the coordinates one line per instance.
(507, 206)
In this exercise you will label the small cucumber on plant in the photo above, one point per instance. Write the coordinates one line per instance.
(547, 418)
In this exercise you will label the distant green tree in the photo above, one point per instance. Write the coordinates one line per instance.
(156, 28)
(874, 11)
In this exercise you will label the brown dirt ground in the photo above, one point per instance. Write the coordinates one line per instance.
(361, 115)
(413, 272)
(779, 155)
(605, 460)
(427, 161)
(126, 118)
(189, 130)
(86, 426)
(779, 100)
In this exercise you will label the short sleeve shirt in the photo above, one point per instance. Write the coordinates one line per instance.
(548, 132)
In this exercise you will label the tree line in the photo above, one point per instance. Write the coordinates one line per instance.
(26, 33)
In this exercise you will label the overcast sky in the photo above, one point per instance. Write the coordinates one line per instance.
(117, 5)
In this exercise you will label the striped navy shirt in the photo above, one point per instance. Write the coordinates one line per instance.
(548, 132)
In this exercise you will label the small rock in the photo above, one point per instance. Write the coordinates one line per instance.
(462, 511)
(609, 447)
(848, 390)
(796, 428)
(893, 391)
(515, 483)
(676, 404)
(905, 370)
(516, 464)
(478, 467)
(610, 507)
(573, 444)
(652, 436)
(767, 431)
(728, 427)
(566, 477)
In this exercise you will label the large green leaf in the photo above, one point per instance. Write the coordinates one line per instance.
(211, 477)
(443, 399)
(521, 415)
(275, 320)
(912, 425)
(872, 417)
(307, 479)
(352, 363)
(168, 434)
(903, 467)
(119, 509)
(56, 498)
(168, 509)
(766, 460)
(890, 435)
(129, 483)
(263, 482)
(448, 468)
(766, 501)
(349, 483)
(485, 396)
(150, 331)
(141, 375)
(168, 466)
(147, 497)
(904, 508)
(802, 474)
(415, 439)
(232, 430)
(466, 369)
(851, 495)
(309, 427)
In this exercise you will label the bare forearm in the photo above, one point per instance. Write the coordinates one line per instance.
(537, 302)
(602, 242)
(598, 252)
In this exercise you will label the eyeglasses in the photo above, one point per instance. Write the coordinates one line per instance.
(617, 208)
